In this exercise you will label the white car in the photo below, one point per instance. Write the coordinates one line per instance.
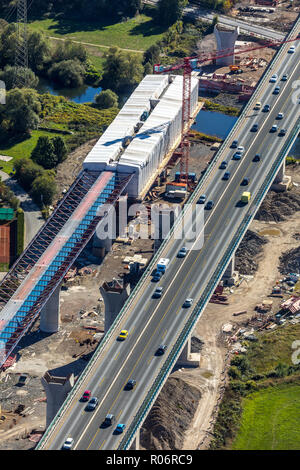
(240, 150)
(280, 115)
(188, 302)
(291, 50)
(68, 444)
(274, 78)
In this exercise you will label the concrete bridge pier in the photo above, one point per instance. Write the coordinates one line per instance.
(50, 318)
(281, 181)
(230, 274)
(187, 358)
(57, 389)
(225, 40)
(136, 443)
(114, 296)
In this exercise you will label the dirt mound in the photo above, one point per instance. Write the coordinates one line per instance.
(278, 206)
(170, 416)
(289, 262)
(247, 254)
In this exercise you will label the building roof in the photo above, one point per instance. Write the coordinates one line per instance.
(6, 213)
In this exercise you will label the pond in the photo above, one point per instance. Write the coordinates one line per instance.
(214, 123)
(81, 94)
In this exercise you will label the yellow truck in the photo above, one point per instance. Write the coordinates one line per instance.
(245, 198)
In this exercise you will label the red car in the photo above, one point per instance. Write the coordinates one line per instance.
(86, 396)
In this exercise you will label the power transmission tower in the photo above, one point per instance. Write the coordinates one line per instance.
(21, 56)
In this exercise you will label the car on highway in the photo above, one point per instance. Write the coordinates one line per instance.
(120, 428)
(237, 156)
(161, 349)
(68, 444)
(256, 157)
(130, 384)
(257, 105)
(276, 90)
(201, 199)
(266, 108)
(226, 175)
(158, 292)
(254, 128)
(291, 50)
(234, 144)
(284, 77)
(182, 252)
(245, 181)
(92, 404)
(157, 276)
(240, 149)
(279, 116)
(123, 335)
(86, 395)
(274, 78)
(223, 165)
(188, 302)
(209, 205)
(108, 421)
(282, 132)
(274, 128)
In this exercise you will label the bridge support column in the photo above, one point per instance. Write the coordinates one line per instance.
(225, 40)
(136, 443)
(114, 298)
(187, 358)
(50, 318)
(281, 181)
(229, 274)
(57, 389)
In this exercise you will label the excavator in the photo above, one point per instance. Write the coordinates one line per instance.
(235, 69)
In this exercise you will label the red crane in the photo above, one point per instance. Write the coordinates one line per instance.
(188, 64)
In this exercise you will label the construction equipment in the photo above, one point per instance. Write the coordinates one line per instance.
(235, 69)
(188, 65)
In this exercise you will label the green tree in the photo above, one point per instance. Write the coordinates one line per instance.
(8, 74)
(69, 73)
(121, 69)
(60, 149)
(39, 51)
(106, 99)
(26, 171)
(20, 114)
(170, 11)
(43, 190)
(152, 55)
(43, 153)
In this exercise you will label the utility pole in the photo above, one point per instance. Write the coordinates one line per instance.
(21, 55)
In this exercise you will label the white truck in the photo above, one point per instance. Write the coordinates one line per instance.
(162, 265)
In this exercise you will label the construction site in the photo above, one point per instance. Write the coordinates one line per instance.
(149, 140)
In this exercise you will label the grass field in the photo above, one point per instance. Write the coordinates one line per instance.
(21, 149)
(136, 34)
(270, 420)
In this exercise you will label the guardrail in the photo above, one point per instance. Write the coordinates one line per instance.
(181, 340)
(158, 255)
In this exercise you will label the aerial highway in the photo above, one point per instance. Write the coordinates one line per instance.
(151, 322)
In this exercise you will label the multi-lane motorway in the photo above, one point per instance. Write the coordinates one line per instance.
(151, 322)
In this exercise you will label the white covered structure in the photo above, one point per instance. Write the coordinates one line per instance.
(161, 97)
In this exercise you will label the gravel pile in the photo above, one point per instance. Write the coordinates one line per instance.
(170, 416)
(278, 206)
(247, 254)
(289, 262)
